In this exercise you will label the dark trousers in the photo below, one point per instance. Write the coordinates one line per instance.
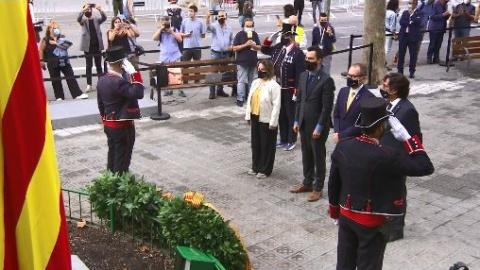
(263, 146)
(436, 39)
(398, 223)
(218, 55)
(405, 42)
(188, 55)
(359, 246)
(299, 5)
(93, 53)
(117, 7)
(287, 117)
(57, 84)
(313, 156)
(120, 147)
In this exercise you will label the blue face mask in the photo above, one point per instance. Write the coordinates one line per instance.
(57, 32)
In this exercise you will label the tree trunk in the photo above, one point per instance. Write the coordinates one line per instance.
(374, 32)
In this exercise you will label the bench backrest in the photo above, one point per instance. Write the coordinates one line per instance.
(198, 70)
(470, 43)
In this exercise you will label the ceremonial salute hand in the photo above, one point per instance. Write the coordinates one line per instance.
(273, 36)
(398, 130)
(128, 67)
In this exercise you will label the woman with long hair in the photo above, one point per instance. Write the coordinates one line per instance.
(391, 17)
(53, 50)
(122, 33)
(262, 112)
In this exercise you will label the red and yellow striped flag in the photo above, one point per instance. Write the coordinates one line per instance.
(33, 233)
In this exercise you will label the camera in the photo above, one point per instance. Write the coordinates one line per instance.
(214, 12)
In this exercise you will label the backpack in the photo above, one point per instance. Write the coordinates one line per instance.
(248, 9)
(175, 17)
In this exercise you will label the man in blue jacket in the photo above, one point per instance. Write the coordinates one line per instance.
(409, 36)
(437, 26)
(323, 36)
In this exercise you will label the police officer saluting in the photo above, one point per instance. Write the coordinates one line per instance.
(118, 94)
(366, 185)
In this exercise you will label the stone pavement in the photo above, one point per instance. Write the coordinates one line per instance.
(205, 146)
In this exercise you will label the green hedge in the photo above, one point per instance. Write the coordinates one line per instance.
(180, 223)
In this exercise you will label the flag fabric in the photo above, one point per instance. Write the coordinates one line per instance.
(33, 232)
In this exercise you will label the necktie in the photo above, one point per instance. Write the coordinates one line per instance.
(350, 98)
(309, 82)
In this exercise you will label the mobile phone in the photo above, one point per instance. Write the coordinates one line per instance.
(215, 12)
(278, 16)
(92, 5)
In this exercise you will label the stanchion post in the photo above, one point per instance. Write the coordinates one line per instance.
(449, 45)
(159, 115)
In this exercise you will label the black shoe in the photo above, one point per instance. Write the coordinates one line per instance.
(212, 95)
(430, 61)
(222, 94)
(412, 76)
(435, 61)
(239, 103)
(395, 236)
(389, 68)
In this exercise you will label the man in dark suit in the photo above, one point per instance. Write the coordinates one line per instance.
(312, 119)
(395, 89)
(347, 108)
(365, 186)
(409, 36)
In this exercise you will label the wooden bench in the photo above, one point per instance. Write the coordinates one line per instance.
(194, 73)
(465, 47)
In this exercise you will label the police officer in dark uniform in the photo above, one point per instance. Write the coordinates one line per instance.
(365, 188)
(289, 63)
(118, 94)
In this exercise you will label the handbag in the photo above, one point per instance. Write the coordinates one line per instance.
(139, 50)
(229, 76)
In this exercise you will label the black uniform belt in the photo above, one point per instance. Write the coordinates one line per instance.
(117, 124)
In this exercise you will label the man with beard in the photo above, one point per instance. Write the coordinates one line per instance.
(289, 63)
(312, 119)
(221, 46)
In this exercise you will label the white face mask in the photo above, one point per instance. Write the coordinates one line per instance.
(467, 2)
(410, 6)
(248, 29)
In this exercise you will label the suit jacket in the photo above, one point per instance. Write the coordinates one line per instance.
(406, 113)
(315, 107)
(368, 178)
(85, 39)
(343, 120)
(414, 24)
(117, 97)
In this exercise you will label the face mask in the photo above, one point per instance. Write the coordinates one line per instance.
(88, 14)
(248, 29)
(311, 66)
(384, 94)
(262, 74)
(323, 24)
(221, 20)
(352, 83)
(56, 32)
(410, 6)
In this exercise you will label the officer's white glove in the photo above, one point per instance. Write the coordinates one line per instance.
(273, 36)
(128, 67)
(398, 130)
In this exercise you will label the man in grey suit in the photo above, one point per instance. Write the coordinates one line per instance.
(313, 121)
(396, 88)
(91, 42)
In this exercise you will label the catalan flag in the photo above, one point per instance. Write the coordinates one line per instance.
(33, 232)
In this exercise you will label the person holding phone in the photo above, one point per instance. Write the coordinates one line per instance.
(91, 42)
(464, 14)
(221, 46)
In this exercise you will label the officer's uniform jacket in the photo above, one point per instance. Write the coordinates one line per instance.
(117, 97)
(292, 65)
(367, 178)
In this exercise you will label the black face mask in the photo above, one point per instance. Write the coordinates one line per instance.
(261, 74)
(323, 24)
(384, 94)
(311, 66)
(352, 83)
(221, 20)
(88, 14)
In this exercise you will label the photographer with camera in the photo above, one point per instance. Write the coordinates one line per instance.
(91, 42)
(221, 47)
(168, 39)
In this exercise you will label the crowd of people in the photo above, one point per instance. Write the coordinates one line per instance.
(288, 95)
